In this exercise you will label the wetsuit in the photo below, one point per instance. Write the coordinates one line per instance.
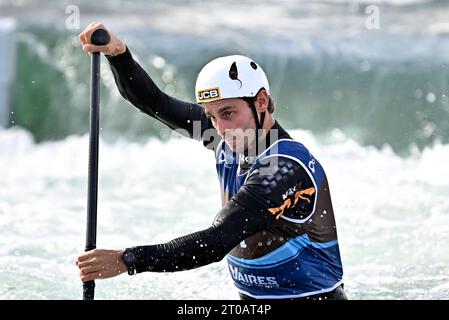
(276, 226)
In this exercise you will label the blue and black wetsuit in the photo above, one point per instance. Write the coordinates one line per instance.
(276, 226)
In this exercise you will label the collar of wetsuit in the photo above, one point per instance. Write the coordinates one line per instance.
(249, 156)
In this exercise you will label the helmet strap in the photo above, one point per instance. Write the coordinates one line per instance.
(252, 105)
(262, 119)
(259, 123)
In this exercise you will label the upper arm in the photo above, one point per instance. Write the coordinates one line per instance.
(273, 190)
(136, 86)
(189, 117)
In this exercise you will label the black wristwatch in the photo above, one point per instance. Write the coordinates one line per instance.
(130, 259)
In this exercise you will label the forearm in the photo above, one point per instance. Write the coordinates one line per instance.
(233, 224)
(136, 86)
(184, 253)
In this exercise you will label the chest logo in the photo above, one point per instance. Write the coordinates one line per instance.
(291, 198)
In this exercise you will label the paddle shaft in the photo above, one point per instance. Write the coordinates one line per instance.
(98, 37)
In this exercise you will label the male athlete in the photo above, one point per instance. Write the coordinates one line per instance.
(276, 226)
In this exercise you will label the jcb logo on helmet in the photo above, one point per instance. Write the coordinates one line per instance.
(209, 94)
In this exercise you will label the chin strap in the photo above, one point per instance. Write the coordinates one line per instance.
(259, 123)
(252, 106)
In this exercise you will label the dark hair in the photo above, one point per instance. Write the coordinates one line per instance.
(271, 105)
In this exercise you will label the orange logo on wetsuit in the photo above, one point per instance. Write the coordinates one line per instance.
(287, 204)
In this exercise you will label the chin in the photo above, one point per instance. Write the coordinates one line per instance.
(238, 148)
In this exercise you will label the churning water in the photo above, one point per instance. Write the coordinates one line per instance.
(371, 105)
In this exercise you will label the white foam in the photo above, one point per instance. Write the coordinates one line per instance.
(7, 24)
(392, 213)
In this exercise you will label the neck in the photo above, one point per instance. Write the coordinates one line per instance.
(271, 132)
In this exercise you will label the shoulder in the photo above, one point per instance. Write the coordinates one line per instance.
(288, 148)
(298, 153)
(287, 187)
(276, 171)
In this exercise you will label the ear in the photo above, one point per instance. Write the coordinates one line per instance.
(262, 100)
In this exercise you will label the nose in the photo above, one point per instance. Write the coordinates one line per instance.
(220, 127)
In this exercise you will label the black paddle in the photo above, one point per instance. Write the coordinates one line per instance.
(99, 37)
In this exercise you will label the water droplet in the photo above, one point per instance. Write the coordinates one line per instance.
(430, 97)
(167, 76)
(169, 89)
(158, 62)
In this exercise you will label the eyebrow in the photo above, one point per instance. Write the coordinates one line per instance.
(223, 109)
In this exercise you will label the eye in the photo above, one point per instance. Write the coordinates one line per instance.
(227, 115)
(212, 118)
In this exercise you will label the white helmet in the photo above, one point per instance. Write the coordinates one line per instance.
(230, 77)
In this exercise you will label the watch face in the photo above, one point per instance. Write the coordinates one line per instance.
(129, 257)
